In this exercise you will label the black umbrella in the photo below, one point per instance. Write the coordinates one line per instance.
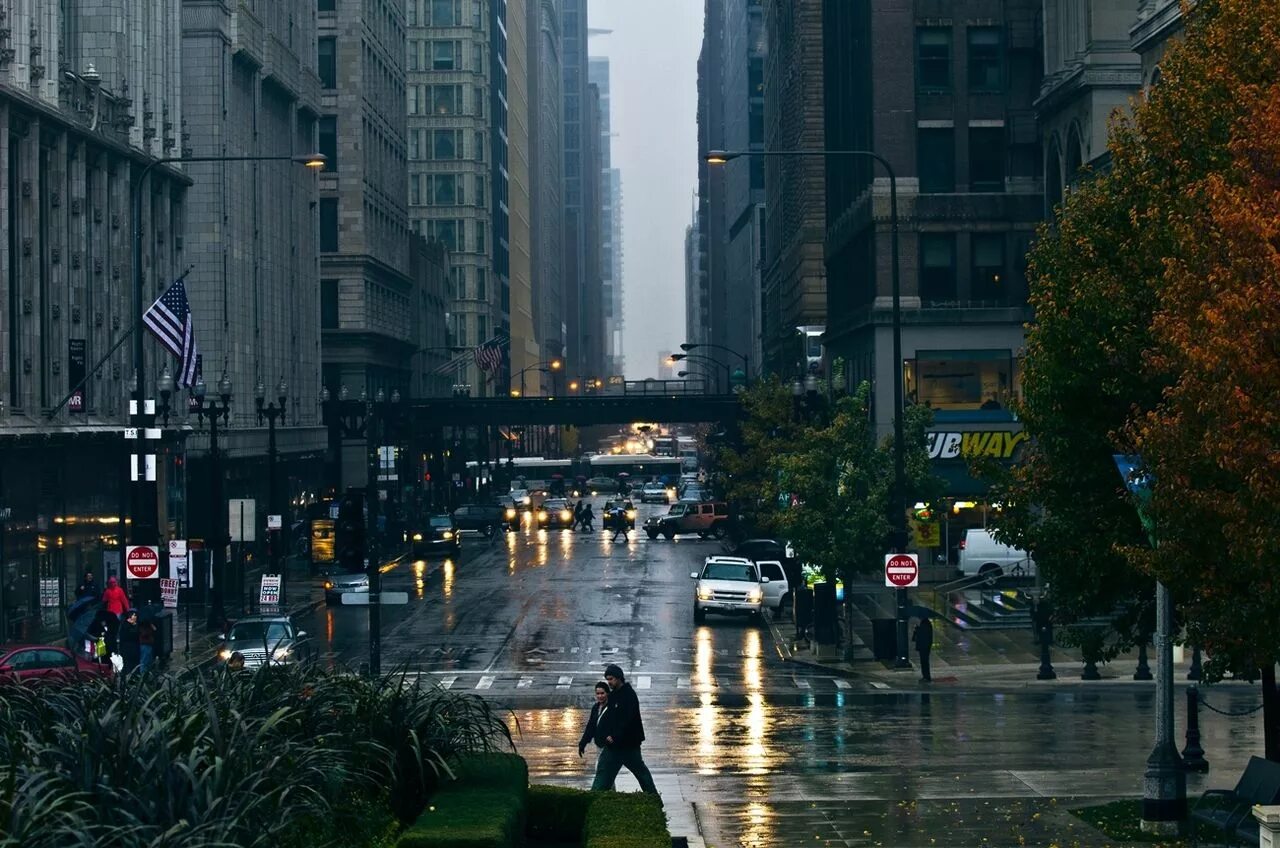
(80, 617)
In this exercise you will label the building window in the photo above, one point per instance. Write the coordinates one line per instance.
(413, 55)
(411, 92)
(326, 5)
(479, 147)
(933, 60)
(936, 152)
(413, 142)
(937, 268)
(457, 280)
(481, 237)
(327, 128)
(446, 13)
(444, 190)
(328, 224)
(482, 284)
(445, 99)
(415, 190)
(479, 110)
(411, 13)
(327, 62)
(988, 280)
(443, 145)
(479, 190)
(960, 379)
(986, 159)
(477, 59)
(482, 329)
(444, 55)
(329, 304)
(986, 59)
(460, 329)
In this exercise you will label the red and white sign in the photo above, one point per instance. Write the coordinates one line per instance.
(142, 562)
(901, 571)
(169, 592)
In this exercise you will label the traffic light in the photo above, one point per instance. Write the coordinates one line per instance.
(349, 532)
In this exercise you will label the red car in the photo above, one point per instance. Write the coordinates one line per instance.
(36, 662)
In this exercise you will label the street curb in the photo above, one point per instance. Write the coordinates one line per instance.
(787, 655)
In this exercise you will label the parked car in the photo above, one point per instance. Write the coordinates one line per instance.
(257, 637)
(771, 550)
(653, 493)
(728, 586)
(598, 485)
(777, 589)
(981, 554)
(25, 663)
(703, 518)
(555, 514)
(437, 535)
(618, 514)
(341, 584)
(485, 519)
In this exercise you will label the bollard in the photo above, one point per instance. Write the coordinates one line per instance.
(1193, 755)
(1046, 663)
(1144, 669)
(1193, 673)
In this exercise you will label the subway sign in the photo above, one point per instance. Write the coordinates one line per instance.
(1000, 444)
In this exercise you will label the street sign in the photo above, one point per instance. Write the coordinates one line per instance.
(901, 571)
(275, 522)
(242, 527)
(179, 568)
(142, 562)
(169, 592)
(363, 599)
(269, 595)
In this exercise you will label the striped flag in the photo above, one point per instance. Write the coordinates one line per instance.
(169, 320)
(489, 356)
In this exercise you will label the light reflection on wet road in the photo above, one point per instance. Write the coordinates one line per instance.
(763, 748)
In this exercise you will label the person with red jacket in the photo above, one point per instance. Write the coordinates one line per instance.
(114, 598)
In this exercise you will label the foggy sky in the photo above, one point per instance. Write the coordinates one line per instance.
(653, 58)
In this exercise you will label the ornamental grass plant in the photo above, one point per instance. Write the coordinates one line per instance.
(228, 758)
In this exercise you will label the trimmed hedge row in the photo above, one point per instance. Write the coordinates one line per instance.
(626, 820)
(558, 813)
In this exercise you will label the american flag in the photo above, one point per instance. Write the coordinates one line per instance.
(169, 320)
(489, 355)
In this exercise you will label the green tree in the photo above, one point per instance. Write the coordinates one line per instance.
(768, 426)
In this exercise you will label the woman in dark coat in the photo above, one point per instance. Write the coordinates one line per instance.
(130, 646)
(598, 724)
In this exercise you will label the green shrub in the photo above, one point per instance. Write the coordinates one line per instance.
(468, 817)
(626, 820)
(493, 771)
(557, 813)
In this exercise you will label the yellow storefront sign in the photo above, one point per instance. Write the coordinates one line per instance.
(1000, 444)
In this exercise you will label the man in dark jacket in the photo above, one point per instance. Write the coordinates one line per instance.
(89, 588)
(924, 644)
(623, 734)
(130, 649)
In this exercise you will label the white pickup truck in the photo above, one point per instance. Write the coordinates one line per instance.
(728, 586)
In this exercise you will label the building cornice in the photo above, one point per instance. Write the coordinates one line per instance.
(1060, 88)
(1157, 20)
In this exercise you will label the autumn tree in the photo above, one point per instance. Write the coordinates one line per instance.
(767, 426)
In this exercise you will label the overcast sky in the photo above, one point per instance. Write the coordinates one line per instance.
(653, 67)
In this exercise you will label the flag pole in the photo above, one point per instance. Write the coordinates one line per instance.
(103, 361)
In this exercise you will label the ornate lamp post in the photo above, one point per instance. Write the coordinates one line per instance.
(272, 411)
(215, 411)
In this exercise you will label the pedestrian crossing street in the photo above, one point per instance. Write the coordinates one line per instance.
(542, 682)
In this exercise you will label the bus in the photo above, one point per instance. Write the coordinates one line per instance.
(538, 474)
(687, 450)
(664, 446)
(637, 467)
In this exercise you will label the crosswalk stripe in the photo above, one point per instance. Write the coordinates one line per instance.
(447, 682)
(682, 683)
(644, 682)
(803, 684)
(565, 680)
(525, 683)
(485, 682)
(878, 684)
(840, 684)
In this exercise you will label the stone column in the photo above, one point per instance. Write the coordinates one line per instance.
(1268, 826)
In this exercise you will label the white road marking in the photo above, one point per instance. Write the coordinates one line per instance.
(803, 684)
(840, 684)
(525, 683)
(644, 682)
(879, 685)
(573, 650)
(565, 680)
(447, 682)
(682, 683)
(486, 681)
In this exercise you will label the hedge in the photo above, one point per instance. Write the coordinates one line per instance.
(491, 771)
(468, 817)
(558, 813)
(626, 820)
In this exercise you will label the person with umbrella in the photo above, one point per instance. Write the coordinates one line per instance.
(130, 646)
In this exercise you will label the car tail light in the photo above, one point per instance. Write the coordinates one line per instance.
(962, 544)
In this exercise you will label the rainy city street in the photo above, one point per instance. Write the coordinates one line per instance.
(749, 749)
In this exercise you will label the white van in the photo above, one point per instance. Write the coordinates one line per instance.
(982, 554)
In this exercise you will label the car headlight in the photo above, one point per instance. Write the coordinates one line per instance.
(224, 654)
(542, 515)
(328, 584)
(631, 513)
(754, 596)
(448, 534)
(526, 500)
(281, 653)
(510, 513)
(704, 594)
(593, 494)
(417, 537)
(565, 515)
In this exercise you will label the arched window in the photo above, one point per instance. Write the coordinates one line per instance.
(1074, 157)
(1052, 179)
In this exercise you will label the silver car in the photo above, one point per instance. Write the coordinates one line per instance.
(257, 637)
(340, 584)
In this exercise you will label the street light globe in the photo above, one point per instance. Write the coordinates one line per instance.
(573, 386)
(555, 364)
(282, 391)
(224, 388)
(260, 392)
(199, 389)
(165, 384)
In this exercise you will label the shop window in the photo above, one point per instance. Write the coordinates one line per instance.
(960, 379)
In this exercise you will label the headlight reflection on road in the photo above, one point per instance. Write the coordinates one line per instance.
(448, 579)
(708, 724)
(419, 581)
(703, 658)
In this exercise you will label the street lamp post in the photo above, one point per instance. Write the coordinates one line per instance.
(897, 500)
(690, 346)
(272, 411)
(700, 357)
(213, 411)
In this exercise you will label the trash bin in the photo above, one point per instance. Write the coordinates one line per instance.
(802, 607)
(884, 638)
(164, 635)
(824, 613)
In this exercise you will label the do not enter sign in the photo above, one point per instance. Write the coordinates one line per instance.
(142, 562)
(901, 570)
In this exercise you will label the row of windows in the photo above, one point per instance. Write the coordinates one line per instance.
(445, 100)
(936, 159)
(459, 277)
(452, 233)
(459, 324)
(443, 56)
(985, 59)
(428, 144)
(939, 278)
(445, 189)
(443, 13)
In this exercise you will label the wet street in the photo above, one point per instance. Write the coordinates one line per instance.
(748, 749)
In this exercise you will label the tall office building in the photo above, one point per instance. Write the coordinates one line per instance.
(86, 103)
(517, 119)
(610, 225)
(709, 226)
(546, 164)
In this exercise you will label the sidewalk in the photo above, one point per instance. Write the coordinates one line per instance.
(194, 642)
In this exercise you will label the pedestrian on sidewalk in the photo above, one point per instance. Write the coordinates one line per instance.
(130, 647)
(114, 598)
(146, 644)
(89, 588)
(577, 514)
(623, 734)
(595, 731)
(923, 637)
